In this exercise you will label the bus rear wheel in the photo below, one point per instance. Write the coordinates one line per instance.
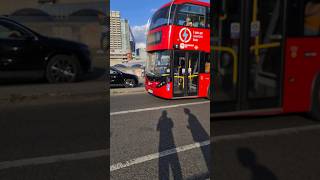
(315, 109)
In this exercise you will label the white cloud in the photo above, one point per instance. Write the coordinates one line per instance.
(153, 10)
(141, 45)
(140, 35)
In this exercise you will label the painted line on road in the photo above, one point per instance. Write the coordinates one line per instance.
(213, 139)
(274, 132)
(157, 108)
(157, 155)
(53, 159)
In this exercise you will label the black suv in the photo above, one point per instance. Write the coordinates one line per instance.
(121, 79)
(25, 53)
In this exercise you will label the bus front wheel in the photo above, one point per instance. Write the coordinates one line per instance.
(315, 109)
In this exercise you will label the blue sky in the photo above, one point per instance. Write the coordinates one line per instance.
(138, 12)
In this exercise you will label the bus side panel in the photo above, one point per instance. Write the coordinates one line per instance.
(302, 64)
(204, 82)
(164, 43)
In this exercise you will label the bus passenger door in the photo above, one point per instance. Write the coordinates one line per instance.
(247, 55)
(179, 71)
(186, 68)
(265, 55)
(225, 47)
(192, 74)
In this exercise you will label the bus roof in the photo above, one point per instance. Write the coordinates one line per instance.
(196, 2)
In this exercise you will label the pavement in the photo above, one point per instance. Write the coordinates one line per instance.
(154, 138)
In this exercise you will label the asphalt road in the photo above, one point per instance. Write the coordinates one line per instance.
(153, 138)
(57, 140)
(266, 148)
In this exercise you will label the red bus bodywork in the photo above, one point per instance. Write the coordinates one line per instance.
(171, 36)
(302, 67)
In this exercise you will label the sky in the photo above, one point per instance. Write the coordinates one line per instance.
(138, 12)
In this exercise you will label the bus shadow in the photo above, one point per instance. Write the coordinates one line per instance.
(166, 142)
(258, 172)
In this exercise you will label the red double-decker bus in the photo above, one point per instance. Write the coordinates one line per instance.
(178, 46)
(266, 57)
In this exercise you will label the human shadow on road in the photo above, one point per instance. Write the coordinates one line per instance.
(258, 172)
(199, 135)
(166, 142)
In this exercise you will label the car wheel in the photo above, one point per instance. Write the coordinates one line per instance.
(63, 68)
(130, 83)
(315, 109)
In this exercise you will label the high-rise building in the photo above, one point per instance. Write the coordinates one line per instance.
(132, 41)
(125, 36)
(121, 39)
(115, 31)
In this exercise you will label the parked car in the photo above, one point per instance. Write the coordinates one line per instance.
(24, 53)
(122, 79)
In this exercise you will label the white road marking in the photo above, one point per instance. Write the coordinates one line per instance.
(157, 155)
(273, 132)
(214, 139)
(157, 108)
(53, 159)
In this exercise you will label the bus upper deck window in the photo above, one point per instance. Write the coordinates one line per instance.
(191, 15)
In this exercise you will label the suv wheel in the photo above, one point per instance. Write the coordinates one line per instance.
(130, 83)
(63, 68)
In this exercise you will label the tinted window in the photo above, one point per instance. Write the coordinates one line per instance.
(154, 38)
(160, 18)
(295, 18)
(312, 18)
(8, 31)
